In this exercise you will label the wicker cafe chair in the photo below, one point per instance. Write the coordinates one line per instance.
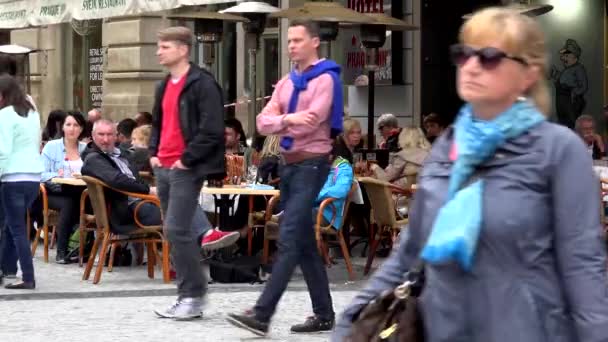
(150, 235)
(49, 224)
(87, 224)
(386, 221)
(331, 229)
(271, 227)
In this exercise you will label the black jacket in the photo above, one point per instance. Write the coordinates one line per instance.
(99, 165)
(201, 117)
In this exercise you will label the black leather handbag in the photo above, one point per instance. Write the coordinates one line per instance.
(393, 316)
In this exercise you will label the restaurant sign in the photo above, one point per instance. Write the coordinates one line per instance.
(355, 55)
(23, 13)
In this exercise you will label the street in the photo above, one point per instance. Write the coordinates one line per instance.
(65, 308)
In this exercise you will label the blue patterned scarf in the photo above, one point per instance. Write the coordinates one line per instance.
(458, 223)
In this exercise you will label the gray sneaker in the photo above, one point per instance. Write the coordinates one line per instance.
(183, 309)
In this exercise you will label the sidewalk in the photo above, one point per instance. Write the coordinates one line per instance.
(65, 308)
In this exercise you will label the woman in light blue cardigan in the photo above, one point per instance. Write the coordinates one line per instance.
(61, 158)
(20, 170)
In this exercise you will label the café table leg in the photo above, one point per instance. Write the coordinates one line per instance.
(250, 227)
(224, 203)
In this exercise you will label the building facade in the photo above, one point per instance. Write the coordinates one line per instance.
(110, 63)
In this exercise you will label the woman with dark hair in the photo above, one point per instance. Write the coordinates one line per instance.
(236, 125)
(20, 170)
(54, 124)
(61, 159)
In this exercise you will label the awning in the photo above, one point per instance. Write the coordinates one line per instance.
(24, 13)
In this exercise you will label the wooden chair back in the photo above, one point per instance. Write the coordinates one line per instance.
(95, 190)
(381, 201)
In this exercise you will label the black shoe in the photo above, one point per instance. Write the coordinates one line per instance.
(313, 324)
(248, 321)
(62, 258)
(21, 286)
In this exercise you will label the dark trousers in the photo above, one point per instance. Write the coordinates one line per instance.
(68, 206)
(178, 191)
(300, 185)
(17, 197)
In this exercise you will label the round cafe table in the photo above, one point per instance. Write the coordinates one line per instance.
(227, 194)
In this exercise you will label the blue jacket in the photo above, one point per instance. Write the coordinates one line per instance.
(53, 157)
(338, 184)
(19, 142)
(540, 265)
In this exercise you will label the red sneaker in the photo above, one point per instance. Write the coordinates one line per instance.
(218, 239)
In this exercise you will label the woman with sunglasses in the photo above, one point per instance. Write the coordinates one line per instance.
(506, 213)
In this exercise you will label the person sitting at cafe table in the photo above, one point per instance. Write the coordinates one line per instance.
(352, 134)
(389, 129)
(404, 165)
(338, 184)
(62, 158)
(102, 160)
(235, 141)
(585, 128)
(140, 155)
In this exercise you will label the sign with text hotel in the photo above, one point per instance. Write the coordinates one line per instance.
(355, 58)
(23, 13)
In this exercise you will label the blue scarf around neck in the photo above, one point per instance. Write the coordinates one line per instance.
(300, 83)
(456, 228)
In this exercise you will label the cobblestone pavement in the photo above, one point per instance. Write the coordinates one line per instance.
(65, 308)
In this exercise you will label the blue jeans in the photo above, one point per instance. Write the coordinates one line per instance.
(300, 185)
(17, 197)
(8, 253)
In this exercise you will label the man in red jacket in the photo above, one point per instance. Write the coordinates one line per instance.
(187, 146)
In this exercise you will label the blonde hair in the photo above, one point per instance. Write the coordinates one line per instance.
(142, 133)
(413, 137)
(270, 147)
(519, 35)
(178, 34)
(349, 125)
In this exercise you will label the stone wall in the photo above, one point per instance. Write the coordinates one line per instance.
(132, 69)
(46, 65)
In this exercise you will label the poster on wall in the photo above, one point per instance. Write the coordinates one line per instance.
(96, 56)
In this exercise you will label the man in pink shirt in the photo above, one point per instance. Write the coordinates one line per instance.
(306, 110)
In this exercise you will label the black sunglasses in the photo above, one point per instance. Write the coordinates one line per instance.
(489, 57)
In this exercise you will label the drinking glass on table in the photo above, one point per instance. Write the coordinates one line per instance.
(252, 174)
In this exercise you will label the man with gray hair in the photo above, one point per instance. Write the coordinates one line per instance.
(389, 130)
(585, 127)
(104, 161)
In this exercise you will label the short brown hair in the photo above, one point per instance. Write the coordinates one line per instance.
(312, 27)
(432, 118)
(179, 34)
